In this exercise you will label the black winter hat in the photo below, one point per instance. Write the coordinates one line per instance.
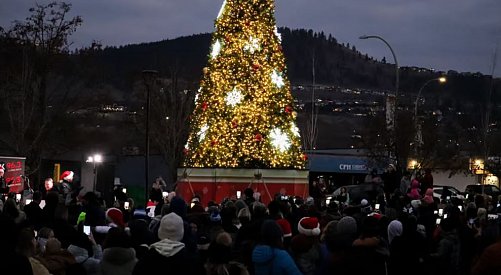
(271, 232)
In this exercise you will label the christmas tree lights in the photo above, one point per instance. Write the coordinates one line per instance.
(244, 114)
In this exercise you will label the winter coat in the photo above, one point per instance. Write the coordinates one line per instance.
(170, 256)
(141, 250)
(91, 264)
(407, 253)
(268, 260)
(405, 184)
(414, 192)
(58, 262)
(448, 255)
(488, 263)
(306, 253)
(37, 267)
(372, 255)
(118, 261)
(34, 214)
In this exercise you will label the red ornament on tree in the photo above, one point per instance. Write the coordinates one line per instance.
(234, 124)
(288, 109)
(256, 66)
(186, 151)
(258, 137)
(305, 157)
(205, 105)
(213, 142)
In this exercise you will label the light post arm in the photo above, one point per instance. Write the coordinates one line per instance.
(419, 95)
(393, 125)
(397, 78)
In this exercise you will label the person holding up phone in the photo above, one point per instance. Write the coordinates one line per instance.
(90, 260)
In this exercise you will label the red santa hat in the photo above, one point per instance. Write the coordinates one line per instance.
(115, 216)
(309, 226)
(286, 227)
(66, 175)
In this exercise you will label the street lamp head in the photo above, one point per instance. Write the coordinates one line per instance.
(364, 37)
(98, 158)
(90, 159)
(442, 79)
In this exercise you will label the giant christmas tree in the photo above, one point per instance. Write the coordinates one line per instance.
(244, 115)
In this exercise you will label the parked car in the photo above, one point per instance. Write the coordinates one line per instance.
(489, 190)
(442, 192)
(368, 191)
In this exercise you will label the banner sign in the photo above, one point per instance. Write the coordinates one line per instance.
(14, 172)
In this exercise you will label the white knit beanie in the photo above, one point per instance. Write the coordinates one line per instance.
(171, 227)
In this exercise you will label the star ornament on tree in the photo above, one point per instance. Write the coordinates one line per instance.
(277, 79)
(252, 45)
(234, 97)
(196, 96)
(279, 36)
(295, 130)
(203, 132)
(221, 11)
(279, 140)
(216, 49)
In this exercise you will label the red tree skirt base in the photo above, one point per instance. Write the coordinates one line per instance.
(216, 184)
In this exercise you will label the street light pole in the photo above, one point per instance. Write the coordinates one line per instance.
(95, 177)
(440, 79)
(148, 75)
(393, 142)
(95, 159)
(416, 124)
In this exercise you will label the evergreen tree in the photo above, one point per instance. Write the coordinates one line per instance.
(244, 115)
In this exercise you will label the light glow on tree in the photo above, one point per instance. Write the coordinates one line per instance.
(244, 114)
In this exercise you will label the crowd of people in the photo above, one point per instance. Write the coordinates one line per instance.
(402, 231)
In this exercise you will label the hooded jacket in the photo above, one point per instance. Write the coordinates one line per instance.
(118, 260)
(268, 260)
(414, 192)
(167, 255)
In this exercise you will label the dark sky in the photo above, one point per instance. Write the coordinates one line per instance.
(441, 34)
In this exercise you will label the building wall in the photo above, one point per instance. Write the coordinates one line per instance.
(458, 180)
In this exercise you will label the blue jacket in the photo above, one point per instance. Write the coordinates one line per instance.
(268, 260)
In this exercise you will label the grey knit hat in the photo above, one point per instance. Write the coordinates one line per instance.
(347, 225)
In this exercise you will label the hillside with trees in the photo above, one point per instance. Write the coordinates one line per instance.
(56, 101)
